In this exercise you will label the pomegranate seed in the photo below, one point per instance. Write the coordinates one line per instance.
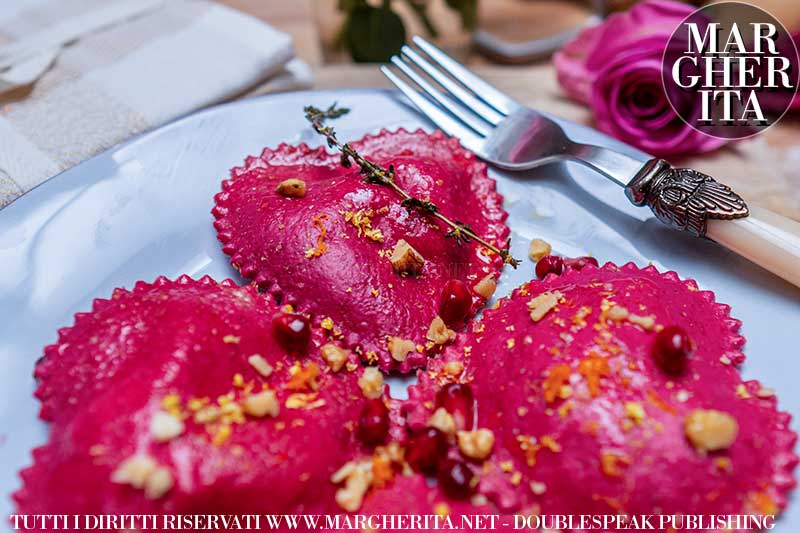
(549, 264)
(425, 449)
(578, 263)
(292, 330)
(456, 301)
(373, 424)
(671, 349)
(455, 478)
(457, 399)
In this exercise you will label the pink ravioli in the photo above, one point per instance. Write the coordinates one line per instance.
(586, 421)
(329, 251)
(118, 380)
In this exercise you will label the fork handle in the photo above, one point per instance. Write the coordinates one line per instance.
(689, 200)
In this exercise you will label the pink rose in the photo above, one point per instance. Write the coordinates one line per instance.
(796, 102)
(615, 68)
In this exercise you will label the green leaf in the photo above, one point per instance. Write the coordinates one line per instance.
(349, 5)
(468, 10)
(420, 9)
(374, 34)
(423, 205)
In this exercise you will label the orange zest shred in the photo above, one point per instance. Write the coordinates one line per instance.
(592, 368)
(550, 443)
(761, 503)
(303, 378)
(362, 221)
(614, 503)
(321, 247)
(611, 463)
(382, 471)
(659, 402)
(556, 378)
(531, 446)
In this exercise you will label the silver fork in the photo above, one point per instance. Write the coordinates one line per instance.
(513, 137)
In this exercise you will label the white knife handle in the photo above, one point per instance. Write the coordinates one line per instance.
(767, 239)
(689, 200)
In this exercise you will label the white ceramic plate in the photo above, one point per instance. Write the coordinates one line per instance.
(143, 209)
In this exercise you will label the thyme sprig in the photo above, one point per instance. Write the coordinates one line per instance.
(373, 173)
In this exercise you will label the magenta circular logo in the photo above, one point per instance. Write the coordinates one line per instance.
(730, 70)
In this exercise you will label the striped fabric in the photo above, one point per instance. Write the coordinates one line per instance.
(125, 79)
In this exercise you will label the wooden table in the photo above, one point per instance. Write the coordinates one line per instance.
(765, 169)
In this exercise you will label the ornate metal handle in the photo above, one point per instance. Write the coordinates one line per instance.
(683, 198)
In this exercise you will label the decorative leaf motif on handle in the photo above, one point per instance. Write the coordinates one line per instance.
(684, 198)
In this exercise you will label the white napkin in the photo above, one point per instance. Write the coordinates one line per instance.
(117, 68)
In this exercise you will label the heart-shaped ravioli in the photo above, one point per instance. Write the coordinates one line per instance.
(611, 390)
(180, 396)
(315, 234)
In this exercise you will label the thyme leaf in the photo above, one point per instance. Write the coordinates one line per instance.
(373, 173)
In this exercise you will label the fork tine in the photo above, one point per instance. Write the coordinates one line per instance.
(474, 104)
(465, 116)
(486, 92)
(441, 118)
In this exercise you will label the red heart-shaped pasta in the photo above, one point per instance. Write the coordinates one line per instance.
(329, 249)
(180, 397)
(587, 419)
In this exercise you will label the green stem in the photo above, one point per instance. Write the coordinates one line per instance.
(382, 176)
(422, 14)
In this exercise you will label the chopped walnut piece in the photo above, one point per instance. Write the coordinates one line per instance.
(207, 414)
(158, 483)
(134, 471)
(443, 421)
(371, 382)
(292, 188)
(439, 333)
(647, 322)
(485, 287)
(709, 430)
(539, 249)
(476, 444)
(405, 259)
(143, 472)
(635, 412)
(400, 348)
(261, 404)
(165, 426)
(617, 313)
(302, 400)
(538, 488)
(260, 365)
(357, 478)
(543, 304)
(334, 356)
(453, 368)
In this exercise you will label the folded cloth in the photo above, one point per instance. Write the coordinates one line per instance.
(114, 82)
